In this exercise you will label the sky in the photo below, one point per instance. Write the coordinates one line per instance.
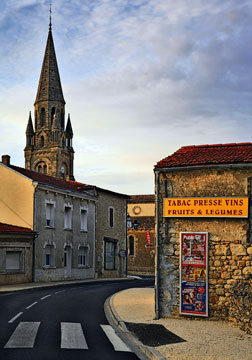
(141, 78)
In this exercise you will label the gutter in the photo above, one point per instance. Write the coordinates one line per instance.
(202, 167)
(157, 264)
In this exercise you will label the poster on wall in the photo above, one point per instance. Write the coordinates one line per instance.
(194, 273)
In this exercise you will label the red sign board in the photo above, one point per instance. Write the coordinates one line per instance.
(148, 238)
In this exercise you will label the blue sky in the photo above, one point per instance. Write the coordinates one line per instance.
(141, 78)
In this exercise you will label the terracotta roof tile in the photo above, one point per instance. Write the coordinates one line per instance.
(13, 228)
(215, 154)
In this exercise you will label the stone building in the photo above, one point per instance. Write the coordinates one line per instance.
(111, 232)
(63, 216)
(49, 147)
(141, 234)
(205, 191)
(16, 254)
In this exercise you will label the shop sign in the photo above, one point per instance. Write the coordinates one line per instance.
(206, 207)
(194, 273)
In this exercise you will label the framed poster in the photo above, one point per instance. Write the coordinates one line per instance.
(194, 273)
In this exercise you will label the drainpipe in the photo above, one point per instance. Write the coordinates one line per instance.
(157, 272)
(35, 184)
(126, 239)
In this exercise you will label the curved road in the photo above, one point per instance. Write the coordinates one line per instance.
(62, 323)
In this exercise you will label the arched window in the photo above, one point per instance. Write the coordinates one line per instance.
(45, 169)
(42, 141)
(42, 117)
(131, 245)
(49, 256)
(62, 119)
(39, 169)
(52, 115)
(63, 142)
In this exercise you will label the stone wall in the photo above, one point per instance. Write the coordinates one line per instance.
(230, 249)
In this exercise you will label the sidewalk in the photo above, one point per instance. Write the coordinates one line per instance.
(204, 339)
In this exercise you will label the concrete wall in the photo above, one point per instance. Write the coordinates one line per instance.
(16, 198)
(145, 209)
(60, 237)
(230, 250)
(117, 232)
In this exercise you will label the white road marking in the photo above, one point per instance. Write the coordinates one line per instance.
(28, 307)
(45, 297)
(72, 336)
(117, 343)
(15, 317)
(24, 335)
(59, 292)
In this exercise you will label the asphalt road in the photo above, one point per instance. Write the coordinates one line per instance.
(62, 323)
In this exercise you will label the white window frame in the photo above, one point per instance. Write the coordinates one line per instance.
(13, 265)
(83, 256)
(83, 218)
(49, 253)
(49, 208)
(68, 216)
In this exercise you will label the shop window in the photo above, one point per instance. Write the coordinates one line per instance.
(131, 245)
(13, 261)
(83, 219)
(111, 217)
(109, 254)
(83, 255)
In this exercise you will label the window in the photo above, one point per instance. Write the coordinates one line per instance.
(39, 169)
(131, 245)
(45, 169)
(83, 219)
(50, 213)
(42, 117)
(109, 253)
(13, 261)
(68, 217)
(83, 255)
(42, 141)
(111, 217)
(49, 254)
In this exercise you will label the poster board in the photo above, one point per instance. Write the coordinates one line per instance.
(194, 273)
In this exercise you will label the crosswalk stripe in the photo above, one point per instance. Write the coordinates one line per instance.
(117, 343)
(24, 335)
(72, 336)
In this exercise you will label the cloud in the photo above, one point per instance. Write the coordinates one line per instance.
(140, 79)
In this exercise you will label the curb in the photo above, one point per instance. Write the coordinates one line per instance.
(142, 351)
(30, 286)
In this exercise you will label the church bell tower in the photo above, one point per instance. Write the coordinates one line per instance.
(49, 143)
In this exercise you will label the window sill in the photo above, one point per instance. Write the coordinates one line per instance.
(84, 267)
(48, 267)
(67, 229)
(83, 231)
(50, 227)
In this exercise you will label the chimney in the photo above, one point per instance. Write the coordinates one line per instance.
(6, 160)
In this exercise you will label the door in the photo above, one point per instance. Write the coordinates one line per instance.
(67, 261)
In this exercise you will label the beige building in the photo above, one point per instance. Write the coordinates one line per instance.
(16, 254)
(204, 192)
(63, 216)
(141, 234)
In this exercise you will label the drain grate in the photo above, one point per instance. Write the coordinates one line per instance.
(153, 334)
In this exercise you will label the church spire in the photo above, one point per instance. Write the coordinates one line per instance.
(49, 88)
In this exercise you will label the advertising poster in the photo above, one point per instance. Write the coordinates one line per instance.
(194, 274)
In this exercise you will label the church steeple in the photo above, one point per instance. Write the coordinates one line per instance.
(49, 150)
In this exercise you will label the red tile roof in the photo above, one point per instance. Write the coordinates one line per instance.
(217, 154)
(50, 180)
(13, 228)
